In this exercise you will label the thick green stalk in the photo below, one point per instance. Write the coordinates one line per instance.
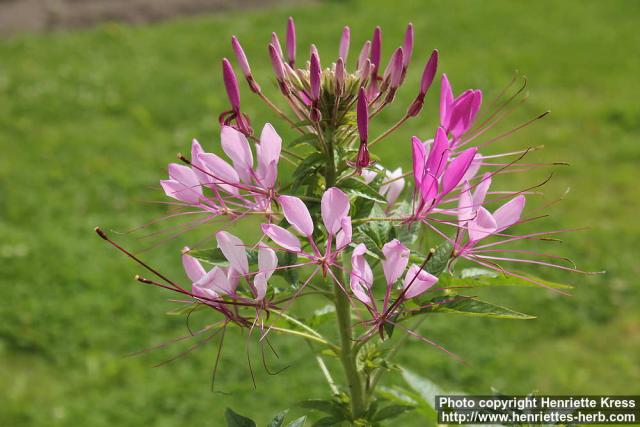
(343, 315)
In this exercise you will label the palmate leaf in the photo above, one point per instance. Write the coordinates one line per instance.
(440, 258)
(480, 277)
(391, 411)
(467, 306)
(278, 420)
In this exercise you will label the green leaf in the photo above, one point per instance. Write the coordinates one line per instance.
(330, 407)
(278, 420)
(391, 411)
(298, 423)
(308, 166)
(236, 420)
(327, 422)
(440, 258)
(469, 306)
(358, 188)
(321, 315)
(427, 392)
(307, 138)
(374, 235)
(480, 277)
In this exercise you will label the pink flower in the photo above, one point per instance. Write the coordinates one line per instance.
(435, 174)
(234, 117)
(334, 208)
(396, 258)
(457, 115)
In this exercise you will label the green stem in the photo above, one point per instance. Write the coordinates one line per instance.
(347, 355)
(343, 315)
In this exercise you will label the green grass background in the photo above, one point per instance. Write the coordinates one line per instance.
(89, 119)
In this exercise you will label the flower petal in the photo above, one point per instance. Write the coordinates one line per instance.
(481, 225)
(267, 260)
(439, 153)
(509, 213)
(215, 280)
(235, 145)
(361, 277)
(268, 155)
(456, 169)
(192, 266)
(418, 153)
(222, 173)
(344, 236)
(334, 207)
(393, 189)
(417, 281)
(282, 237)
(296, 212)
(481, 190)
(446, 99)
(396, 258)
(233, 250)
(466, 208)
(260, 283)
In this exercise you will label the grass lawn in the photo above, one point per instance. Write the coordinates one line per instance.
(89, 119)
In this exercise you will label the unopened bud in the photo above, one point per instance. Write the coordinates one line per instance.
(231, 84)
(344, 43)
(291, 42)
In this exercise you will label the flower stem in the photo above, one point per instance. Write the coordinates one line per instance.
(343, 315)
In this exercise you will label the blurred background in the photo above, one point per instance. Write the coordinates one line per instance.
(96, 97)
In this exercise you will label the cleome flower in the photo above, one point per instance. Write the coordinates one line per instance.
(234, 189)
(334, 208)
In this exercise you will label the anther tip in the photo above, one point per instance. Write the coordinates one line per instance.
(101, 233)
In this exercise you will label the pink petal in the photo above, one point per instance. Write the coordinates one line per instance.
(360, 268)
(296, 212)
(185, 176)
(439, 153)
(260, 283)
(474, 168)
(481, 190)
(196, 150)
(267, 260)
(418, 153)
(344, 235)
(268, 156)
(282, 237)
(456, 169)
(236, 146)
(396, 258)
(222, 173)
(482, 225)
(417, 281)
(192, 266)
(368, 175)
(180, 192)
(334, 207)
(466, 209)
(233, 250)
(215, 280)
(446, 99)
(509, 213)
(393, 189)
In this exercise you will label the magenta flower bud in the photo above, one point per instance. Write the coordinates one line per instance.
(339, 73)
(376, 47)
(313, 50)
(275, 41)
(407, 46)
(344, 43)
(429, 72)
(231, 84)
(363, 116)
(397, 64)
(427, 79)
(276, 63)
(244, 64)
(364, 55)
(291, 42)
(315, 75)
